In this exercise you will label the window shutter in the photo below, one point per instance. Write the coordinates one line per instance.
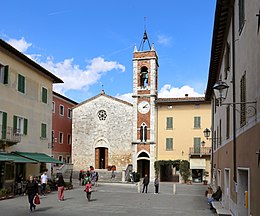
(169, 123)
(25, 126)
(4, 124)
(6, 74)
(196, 122)
(15, 124)
(44, 95)
(43, 132)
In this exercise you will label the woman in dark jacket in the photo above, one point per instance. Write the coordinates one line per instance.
(32, 190)
(60, 185)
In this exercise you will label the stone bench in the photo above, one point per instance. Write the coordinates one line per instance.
(220, 209)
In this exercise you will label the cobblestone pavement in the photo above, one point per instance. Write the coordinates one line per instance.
(117, 199)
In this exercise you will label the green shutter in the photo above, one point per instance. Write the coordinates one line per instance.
(169, 143)
(44, 95)
(43, 131)
(197, 122)
(25, 126)
(197, 144)
(21, 83)
(4, 124)
(6, 74)
(15, 124)
(169, 123)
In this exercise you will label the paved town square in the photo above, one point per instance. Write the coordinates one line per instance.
(117, 199)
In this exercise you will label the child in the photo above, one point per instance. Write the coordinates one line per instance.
(88, 190)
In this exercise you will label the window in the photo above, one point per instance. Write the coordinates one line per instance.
(3, 124)
(61, 110)
(143, 132)
(9, 171)
(43, 131)
(68, 159)
(60, 158)
(197, 144)
(228, 122)
(53, 106)
(227, 61)
(102, 115)
(169, 123)
(241, 14)
(21, 83)
(243, 100)
(20, 125)
(197, 122)
(169, 144)
(69, 113)
(44, 95)
(61, 137)
(69, 139)
(4, 74)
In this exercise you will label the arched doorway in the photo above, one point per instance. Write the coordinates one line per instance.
(101, 158)
(143, 164)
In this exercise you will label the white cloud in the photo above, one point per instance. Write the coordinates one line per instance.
(20, 45)
(126, 97)
(164, 40)
(170, 92)
(74, 77)
(166, 92)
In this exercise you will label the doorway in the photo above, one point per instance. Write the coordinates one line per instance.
(243, 196)
(101, 158)
(143, 164)
(197, 175)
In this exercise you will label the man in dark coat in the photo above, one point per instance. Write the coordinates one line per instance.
(145, 183)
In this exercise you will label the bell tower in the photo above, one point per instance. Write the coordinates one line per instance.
(145, 91)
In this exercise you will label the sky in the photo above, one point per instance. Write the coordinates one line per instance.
(89, 44)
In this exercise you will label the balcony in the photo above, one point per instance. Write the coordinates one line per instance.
(202, 151)
(9, 136)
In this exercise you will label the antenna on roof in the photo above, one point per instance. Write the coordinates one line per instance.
(145, 38)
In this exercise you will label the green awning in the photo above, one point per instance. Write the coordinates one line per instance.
(38, 157)
(4, 156)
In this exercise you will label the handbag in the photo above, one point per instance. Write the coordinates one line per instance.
(36, 200)
(90, 189)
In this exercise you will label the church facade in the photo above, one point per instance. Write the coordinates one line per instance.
(102, 133)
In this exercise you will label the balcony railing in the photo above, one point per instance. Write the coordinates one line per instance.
(9, 136)
(200, 151)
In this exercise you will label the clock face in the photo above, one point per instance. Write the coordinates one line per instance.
(143, 107)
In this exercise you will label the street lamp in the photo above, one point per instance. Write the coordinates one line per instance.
(206, 133)
(220, 90)
(203, 143)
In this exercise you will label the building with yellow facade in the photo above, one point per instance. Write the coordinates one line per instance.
(181, 122)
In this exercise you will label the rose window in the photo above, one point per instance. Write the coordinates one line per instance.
(102, 115)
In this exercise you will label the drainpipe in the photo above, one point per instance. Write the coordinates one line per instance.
(234, 95)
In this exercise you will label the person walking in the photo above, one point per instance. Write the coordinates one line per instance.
(156, 185)
(145, 183)
(88, 190)
(31, 189)
(61, 185)
(44, 181)
(80, 176)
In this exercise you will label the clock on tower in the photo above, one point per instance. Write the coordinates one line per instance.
(145, 85)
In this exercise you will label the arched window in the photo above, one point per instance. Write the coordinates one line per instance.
(143, 132)
(144, 77)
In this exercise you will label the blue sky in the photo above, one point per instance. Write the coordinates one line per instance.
(87, 43)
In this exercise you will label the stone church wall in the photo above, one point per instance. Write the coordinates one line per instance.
(114, 132)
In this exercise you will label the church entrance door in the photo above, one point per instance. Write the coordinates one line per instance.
(101, 158)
